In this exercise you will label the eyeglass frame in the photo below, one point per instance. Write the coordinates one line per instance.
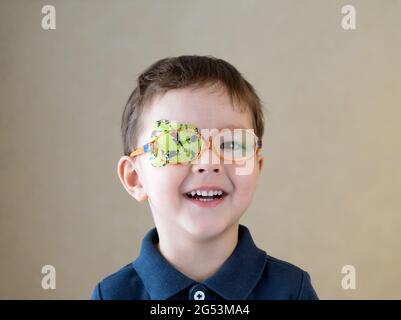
(150, 146)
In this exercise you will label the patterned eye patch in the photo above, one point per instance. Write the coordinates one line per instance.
(176, 143)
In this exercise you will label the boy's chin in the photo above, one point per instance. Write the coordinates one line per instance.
(206, 231)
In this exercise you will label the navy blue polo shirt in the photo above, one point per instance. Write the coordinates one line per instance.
(248, 274)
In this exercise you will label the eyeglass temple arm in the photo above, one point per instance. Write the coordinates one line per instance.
(140, 150)
(258, 145)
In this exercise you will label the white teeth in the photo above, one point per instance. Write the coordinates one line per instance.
(205, 193)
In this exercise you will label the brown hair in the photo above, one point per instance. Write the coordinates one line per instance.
(187, 72)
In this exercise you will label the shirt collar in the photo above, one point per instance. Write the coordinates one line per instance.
(235, 279)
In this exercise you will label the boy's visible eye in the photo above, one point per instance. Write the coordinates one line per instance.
(233, 145)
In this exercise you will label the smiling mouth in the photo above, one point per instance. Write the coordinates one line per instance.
(205, 198)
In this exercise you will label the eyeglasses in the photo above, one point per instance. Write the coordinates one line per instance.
(176, 143)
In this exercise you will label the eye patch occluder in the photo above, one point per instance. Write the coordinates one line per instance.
(176, 143)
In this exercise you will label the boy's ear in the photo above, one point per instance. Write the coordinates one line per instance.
(127, 171)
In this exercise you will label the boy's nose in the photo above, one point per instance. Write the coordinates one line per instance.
(208, 161)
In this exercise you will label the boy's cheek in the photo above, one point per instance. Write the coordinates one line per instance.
(246, 184)
(244, 173)
(164, 191)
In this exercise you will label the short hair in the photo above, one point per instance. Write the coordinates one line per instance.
(188, 71)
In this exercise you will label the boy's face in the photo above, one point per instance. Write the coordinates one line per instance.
(165, 188)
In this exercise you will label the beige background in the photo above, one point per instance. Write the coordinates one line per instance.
(329, 194)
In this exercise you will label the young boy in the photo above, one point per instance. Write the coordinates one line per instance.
(192, 133)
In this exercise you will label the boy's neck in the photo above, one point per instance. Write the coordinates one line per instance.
(198, 260)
